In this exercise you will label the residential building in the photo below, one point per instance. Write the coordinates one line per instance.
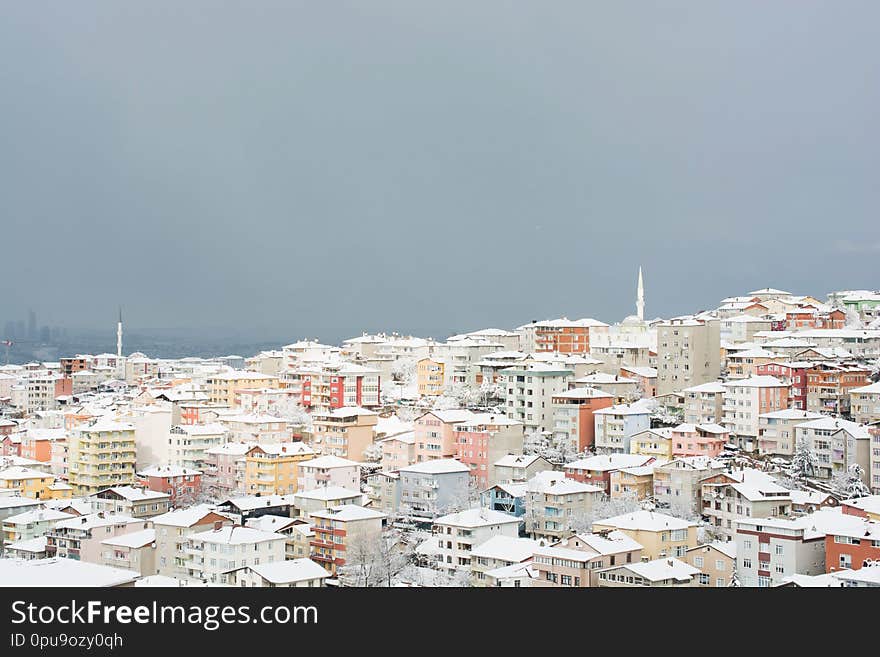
(616, 425)
(776, 430)
(273, 469)
(661, 536)
(745, 401)
(716, 562)
(431, 488)
(212, 555)
(456, 535)
(573, 421)
(131, 501)
(173, 530)
(482, 440)
(688, 353)
(576, 560)
(101, 455)
(556, 503)
(345, 432)
(529, 391)
(664, 572)
(341, 530)
(293, 573)
(703, 404)
(329, 471)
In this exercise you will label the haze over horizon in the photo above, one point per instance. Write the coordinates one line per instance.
(301, 169)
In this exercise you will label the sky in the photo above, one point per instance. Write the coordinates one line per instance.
(319, 169)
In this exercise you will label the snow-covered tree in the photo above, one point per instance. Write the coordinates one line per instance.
(299, 417)
(606, 507)
(373, 452)
(853, 320)
(849, 484)
(804, 462)
(372, 561)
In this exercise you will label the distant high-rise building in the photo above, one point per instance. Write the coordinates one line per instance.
(19, 330)
(9, 330)
(45, 335)
(32, 325)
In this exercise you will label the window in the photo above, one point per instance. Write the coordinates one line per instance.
(719, 564)
(746, 563)
(698, 562)
(704, 580)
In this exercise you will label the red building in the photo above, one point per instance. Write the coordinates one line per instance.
(792, 373)
(179, 483)
(852, 547)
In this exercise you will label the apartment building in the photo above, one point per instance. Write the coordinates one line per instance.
(189, 443)
(703, 404)
(499, 552)
(134, 551)
(728, 497)
(429, 489)
(28, 482)
(561, 335)
(688, 353)
(793, 374)
(664, 572)
(597, 470)
(745, 401)
(341, 530)
(130, 501)
(484, 438)
(573, 422)
(529, 391)
(771, 550)
(212, 555)
(616, 425)
(345, 432)
(80, 537)
(173, 530)
(435, 434)
(656, 443)
(101, 455)
(829, 387)
(458, 533)
(699, 440)
(274, 469)
(555, 503)
(837, 444)
(329, 471)
(575, 561)
(661, 536)
(223, 387)
(716, 562)
(519, 467)
(293, 573)
(30, 524)
(181, 484)
(776, 430)
(865, 403)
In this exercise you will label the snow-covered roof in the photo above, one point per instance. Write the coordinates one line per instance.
(506, 548)
(605, 462)
(236, 535)
(328, 462)
(660, 569)
(326, 493)
(472, 518)
(437, 466)
(133, 494)
(645, 521)
(756, 382)
(132, 540)
(517, 460)
(348, 513)
(62, 572)
(184, 517)
(292, 570)
(168, 471)
(584, 392)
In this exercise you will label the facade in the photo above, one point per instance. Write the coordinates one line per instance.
(131, 501)
(274, 469)
(181, 484)
(704, 403)
(482, 440)
(577, 560)
(865, 403)
(597, 470)
(329, 471)
(776, 433)
(173, 530)
(555, 504)
(429, 489)
(745, 401)
(728, 498)
(837, 445)
(658, 573)
(661, 536)
(573, 421)
(342, 529)
(688, 354)
(213, 555)
(616, 425)
(456, 535)
(101, 455)
(529, 393)
(715, 561)
(345, 432)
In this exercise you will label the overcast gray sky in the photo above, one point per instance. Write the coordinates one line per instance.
(322, 168)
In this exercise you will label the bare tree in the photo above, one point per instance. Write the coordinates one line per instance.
(376, 561)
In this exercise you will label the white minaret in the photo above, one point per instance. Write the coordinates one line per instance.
(640, 299)
(119, 335)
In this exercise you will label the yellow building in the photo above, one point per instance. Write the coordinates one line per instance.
(101, 455)
(273, 469)
(660, 535)
(223, 388)
(344, 432)
(28, 482)
(653, 442)
(430, 374)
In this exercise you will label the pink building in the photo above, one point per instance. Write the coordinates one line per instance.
(398, 451)
(699, 440)
(484, 439)
(225, 467)
(435, 434)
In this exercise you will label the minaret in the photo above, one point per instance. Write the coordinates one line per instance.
(119, 335)
(640, 299)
